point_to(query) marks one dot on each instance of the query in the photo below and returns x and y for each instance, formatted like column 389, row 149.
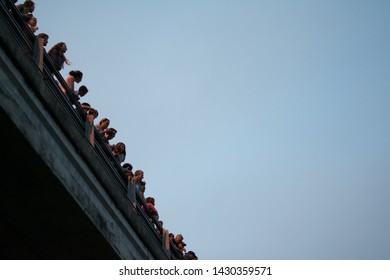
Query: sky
column 263, row 127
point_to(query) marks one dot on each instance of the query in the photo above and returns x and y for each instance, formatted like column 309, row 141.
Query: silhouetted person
column 45, row 38
column 108, row 135
column 119, row 151
column 26, row 9
column 32, row 23
column 190, row 255
column 75, row 76
column 102, row 125
column 57, row 55
column 137, row 179
column 152, row 211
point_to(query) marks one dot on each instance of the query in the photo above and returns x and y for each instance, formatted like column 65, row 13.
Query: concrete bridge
column 62, row 193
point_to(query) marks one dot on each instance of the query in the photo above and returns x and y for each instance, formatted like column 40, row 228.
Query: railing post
column 89, row 127
column 131, row 195
column 38, row 52
column 165, row 241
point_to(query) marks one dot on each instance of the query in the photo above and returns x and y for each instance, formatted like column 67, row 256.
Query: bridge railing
column 28, row 43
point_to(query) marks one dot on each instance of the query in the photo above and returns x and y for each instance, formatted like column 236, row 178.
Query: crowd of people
column 107, row 133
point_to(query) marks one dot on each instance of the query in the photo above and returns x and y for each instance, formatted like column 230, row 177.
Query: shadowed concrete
column 38, row 217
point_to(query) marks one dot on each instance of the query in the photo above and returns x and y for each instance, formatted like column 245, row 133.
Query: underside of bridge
column 38, row 217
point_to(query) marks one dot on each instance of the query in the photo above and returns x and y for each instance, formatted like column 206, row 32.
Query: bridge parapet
column 55, row 163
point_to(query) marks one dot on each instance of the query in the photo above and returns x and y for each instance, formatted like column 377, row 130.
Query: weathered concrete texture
column 58, row 200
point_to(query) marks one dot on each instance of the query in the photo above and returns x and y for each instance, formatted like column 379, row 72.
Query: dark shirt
column 57, row 59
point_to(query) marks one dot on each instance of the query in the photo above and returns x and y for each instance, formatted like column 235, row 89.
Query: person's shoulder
column 152, row 207
column 53, row 52
column 69, row 78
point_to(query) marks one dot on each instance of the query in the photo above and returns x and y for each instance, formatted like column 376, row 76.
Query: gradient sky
column 263, row 127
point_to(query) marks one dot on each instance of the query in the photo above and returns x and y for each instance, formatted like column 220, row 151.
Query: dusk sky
column 262, row 126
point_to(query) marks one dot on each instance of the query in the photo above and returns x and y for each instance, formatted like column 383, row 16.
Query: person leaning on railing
column 190, row 255
column 75, row 76
column 119, row 151
column 89, row 110
column 26, row 9
column 33, row 24
column 151, row 211
column 137, row 179
column 57, row 55
column 102, row 125
column 128, row 170
column 108, row 134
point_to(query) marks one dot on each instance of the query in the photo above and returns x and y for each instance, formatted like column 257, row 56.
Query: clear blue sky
column 263, row 127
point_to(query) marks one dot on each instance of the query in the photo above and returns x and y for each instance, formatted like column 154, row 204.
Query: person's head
column 33, row 21
column 104, row 123
column 150, row 200
column 127, row 166
column 129, row 174
column 83, row 90
column 63, row 47
column 179, row 238
column 29, row 6
column 92, row 111
column 120, row 146
column 191, row 255
column 78, row 75
column 171, row 236
column 60, row 47
column 181, row 245
column 45, row 38
column 85, row 105
column 110, row 133
column 139, row 175
column 58, row 51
